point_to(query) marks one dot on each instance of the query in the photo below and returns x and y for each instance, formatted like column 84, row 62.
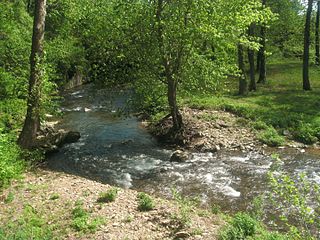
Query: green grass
column 145, row 202
column 82, row 222
column 243, row 226
column 280, row 103
column 109, row 196
column 28, row 226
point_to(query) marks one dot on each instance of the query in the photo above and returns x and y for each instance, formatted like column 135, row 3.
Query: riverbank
column 212, row 130
column 42, row 206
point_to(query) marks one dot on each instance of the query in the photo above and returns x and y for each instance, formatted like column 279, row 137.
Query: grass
column 28, row 226
column 243, row 226
column 145, row 202
column 109, row 196
column 280, row 103
column 82, row 222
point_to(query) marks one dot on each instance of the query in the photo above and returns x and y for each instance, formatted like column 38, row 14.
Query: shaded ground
column 53, row 197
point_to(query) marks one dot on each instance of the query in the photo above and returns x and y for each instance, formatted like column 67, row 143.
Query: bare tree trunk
column 262, row 51
column 317, row 44
column 243, row 85
column 252, row 85
column 306, row 81
column 32, row 122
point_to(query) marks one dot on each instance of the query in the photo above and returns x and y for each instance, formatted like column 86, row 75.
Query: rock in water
column 179, row 156
column 71, row 137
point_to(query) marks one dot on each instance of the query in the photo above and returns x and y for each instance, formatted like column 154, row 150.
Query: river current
column 117, row 150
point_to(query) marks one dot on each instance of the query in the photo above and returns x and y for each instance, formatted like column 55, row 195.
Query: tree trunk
column 32, row 122
column 262, row 51
column 243, row 85
column 252, row 85
column 169, row 72
column 174, row 110
column 258, row 60
column 317, row 44
column 306, row 81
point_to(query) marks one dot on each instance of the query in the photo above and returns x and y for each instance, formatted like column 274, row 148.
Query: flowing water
column 118, row 150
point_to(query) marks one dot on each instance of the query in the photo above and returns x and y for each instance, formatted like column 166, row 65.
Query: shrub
column 109, row 196
column 271, row 137
column 145, row 202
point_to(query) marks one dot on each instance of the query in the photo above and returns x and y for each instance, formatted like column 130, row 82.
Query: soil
column 53, row 195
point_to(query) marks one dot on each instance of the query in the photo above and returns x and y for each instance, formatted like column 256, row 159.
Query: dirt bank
column 53, row 196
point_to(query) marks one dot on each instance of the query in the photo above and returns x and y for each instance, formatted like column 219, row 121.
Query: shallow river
column 117, row 150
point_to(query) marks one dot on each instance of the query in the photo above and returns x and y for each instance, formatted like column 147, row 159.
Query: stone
column 179, row 156
column 71, row 137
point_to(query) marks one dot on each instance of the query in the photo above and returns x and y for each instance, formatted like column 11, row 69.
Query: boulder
column 179, row 156
column 70, row 137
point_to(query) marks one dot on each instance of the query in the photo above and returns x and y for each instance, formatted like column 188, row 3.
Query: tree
column 317, row 43
column 306, row 81
column 252, row 85
column 262, row 52
column 32, row 121
column 243, row 85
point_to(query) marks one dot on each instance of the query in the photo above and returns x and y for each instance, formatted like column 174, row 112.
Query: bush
column 109, row 196
column 145, row 202
column 271, row 137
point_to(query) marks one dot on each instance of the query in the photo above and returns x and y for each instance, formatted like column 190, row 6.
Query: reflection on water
column 119, row 151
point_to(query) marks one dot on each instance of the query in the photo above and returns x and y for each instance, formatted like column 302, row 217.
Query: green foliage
column 9, row 198
column 215, row 209
column 145, row 202
column 11, row 165
column 243, row 226
column 307, row 133
column 298, row 204
column 240, row 227
column 271, row 137
column 109, row 196
column 29, row 226
column 82, row 222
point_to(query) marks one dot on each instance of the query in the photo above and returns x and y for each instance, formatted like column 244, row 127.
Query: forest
column 160, row 119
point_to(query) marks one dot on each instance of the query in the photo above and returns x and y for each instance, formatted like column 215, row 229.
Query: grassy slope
column 280, row 103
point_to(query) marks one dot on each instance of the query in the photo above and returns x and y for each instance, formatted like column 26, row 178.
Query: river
column 117, row 150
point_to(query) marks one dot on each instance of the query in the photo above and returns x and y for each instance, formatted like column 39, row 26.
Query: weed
column 215, row 209
column 54, row 196
column 81, row 221
column 145, row 202
column 109, row 196
column 128, row 219
column 9, row 198
column 186, row 206
column 240, row 227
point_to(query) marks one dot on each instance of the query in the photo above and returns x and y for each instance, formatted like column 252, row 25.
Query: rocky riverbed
column 209, row 131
